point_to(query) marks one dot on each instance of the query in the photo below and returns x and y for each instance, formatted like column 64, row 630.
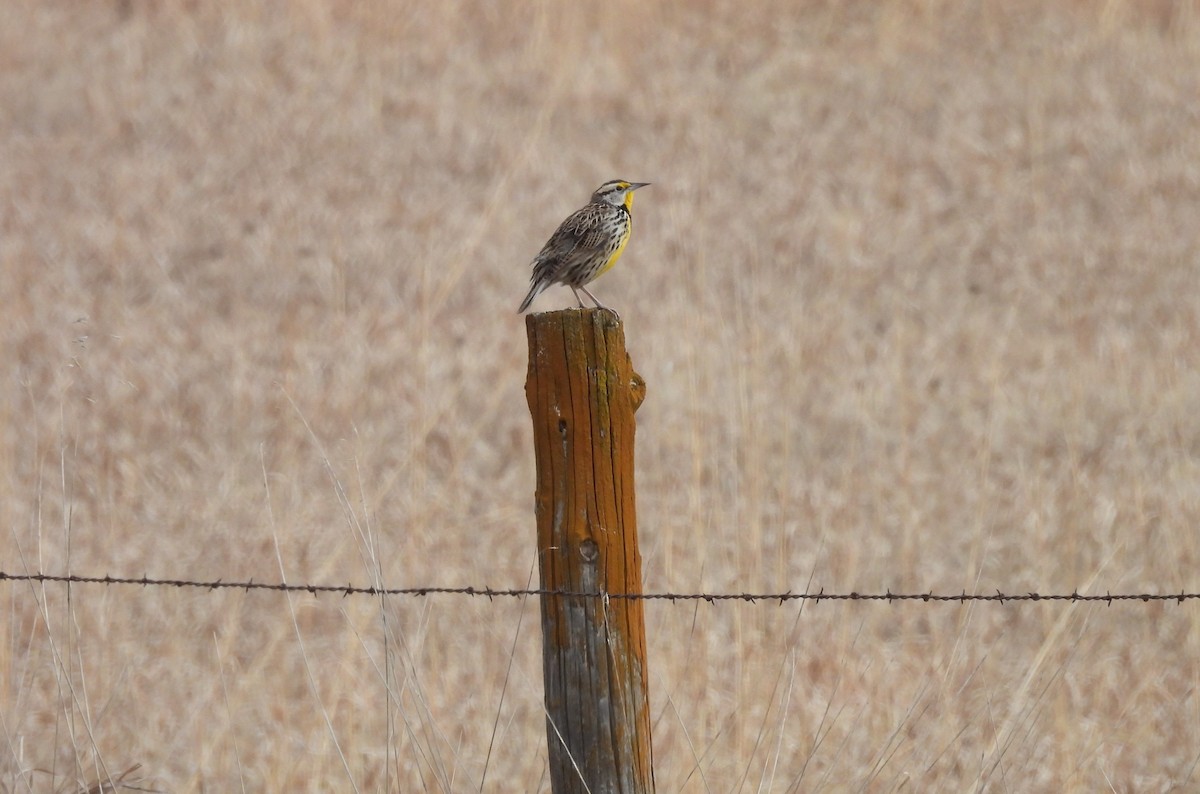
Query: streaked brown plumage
column 587, row 243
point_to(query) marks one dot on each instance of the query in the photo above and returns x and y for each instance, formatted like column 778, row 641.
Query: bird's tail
column 534, row 289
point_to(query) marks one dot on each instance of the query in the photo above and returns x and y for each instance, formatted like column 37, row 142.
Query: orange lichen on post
column 582, row 394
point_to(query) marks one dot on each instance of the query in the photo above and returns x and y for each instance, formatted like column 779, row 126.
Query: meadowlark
column 587, row 243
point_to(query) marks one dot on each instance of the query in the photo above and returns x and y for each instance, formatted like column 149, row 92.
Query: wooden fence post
column 582, row 394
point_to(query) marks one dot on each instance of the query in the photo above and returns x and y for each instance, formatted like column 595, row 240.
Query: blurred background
column 915, row 292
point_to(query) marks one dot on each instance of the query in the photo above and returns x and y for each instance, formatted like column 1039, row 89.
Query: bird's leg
column 577, row 296
column 599, row 305
column 588, row 292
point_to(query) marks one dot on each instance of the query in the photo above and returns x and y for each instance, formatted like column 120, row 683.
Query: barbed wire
column 493, row 593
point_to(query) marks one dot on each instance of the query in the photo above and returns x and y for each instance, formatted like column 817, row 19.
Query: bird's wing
column 583, row 230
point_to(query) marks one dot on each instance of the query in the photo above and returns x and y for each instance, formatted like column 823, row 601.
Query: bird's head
column 617, row 192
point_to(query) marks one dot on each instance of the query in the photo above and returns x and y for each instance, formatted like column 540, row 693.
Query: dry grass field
column 915, row 291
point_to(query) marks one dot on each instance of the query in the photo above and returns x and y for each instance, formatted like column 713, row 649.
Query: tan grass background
column 916, row 292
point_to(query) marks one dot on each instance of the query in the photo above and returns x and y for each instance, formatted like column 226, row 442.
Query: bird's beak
column 636, row 185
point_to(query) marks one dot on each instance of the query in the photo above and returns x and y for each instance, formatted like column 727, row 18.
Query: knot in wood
column 589, row 551
column 637, row 390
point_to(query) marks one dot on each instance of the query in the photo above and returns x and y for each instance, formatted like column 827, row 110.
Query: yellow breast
column 616, row 254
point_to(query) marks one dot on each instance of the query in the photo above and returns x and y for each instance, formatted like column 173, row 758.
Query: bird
column 587, row 243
